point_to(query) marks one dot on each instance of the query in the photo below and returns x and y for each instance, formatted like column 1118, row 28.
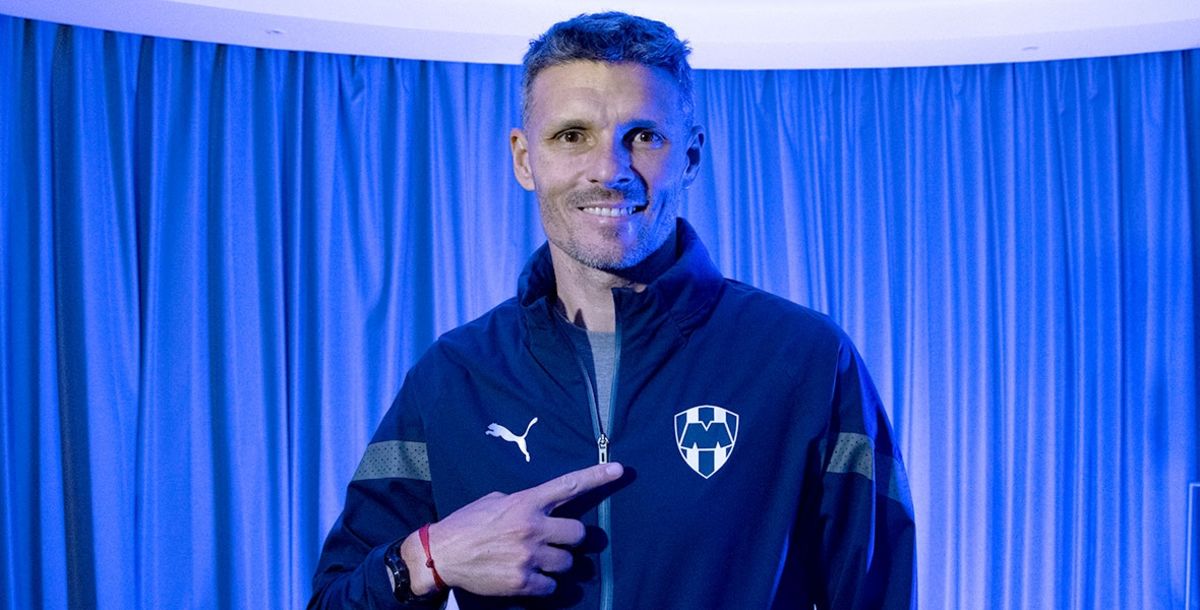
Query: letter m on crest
column 705, row 436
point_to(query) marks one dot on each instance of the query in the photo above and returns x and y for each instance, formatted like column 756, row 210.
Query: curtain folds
column 218, row 262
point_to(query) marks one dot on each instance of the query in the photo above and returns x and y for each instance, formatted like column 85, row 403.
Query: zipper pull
column 602, row 444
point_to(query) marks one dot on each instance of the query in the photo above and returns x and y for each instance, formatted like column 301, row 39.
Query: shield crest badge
column 705, row 436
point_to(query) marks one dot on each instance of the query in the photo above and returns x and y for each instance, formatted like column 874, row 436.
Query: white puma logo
column 506, row 434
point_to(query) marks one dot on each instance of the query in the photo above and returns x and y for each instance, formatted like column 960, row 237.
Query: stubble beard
column 609, row 254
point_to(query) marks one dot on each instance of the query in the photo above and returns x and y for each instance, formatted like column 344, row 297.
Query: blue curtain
column 218, row 262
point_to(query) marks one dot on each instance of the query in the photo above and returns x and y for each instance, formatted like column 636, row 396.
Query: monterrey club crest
column 705, row 436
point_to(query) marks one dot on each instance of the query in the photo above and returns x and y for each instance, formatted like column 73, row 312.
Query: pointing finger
column 556, row 492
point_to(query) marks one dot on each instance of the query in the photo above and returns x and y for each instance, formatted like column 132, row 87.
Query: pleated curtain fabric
column 218, row 262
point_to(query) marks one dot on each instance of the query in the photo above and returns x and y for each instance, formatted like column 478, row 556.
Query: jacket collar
column 680, row 299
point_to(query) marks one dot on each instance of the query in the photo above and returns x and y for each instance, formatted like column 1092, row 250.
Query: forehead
column 580, row 90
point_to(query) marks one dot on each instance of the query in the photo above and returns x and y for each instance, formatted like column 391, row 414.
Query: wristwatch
column 402, row 583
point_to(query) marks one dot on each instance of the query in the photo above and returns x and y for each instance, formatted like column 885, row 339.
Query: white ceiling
column 724, row 34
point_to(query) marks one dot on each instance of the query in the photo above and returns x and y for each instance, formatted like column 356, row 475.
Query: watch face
column 401, row 583
column 401, row 587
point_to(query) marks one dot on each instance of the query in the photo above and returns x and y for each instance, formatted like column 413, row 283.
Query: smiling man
column 608, row 152
column 698, row 443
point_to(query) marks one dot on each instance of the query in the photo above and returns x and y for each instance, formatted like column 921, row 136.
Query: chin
column 612, row 257
column 610, row 262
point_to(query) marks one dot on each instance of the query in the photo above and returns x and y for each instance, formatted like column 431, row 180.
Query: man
column 632, row 430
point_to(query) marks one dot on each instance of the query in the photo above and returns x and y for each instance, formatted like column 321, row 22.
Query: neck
column 585, row 293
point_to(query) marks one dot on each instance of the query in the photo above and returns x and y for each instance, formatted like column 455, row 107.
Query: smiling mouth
column 613, row 212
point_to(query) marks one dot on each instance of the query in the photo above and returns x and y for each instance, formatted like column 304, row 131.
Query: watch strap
column 402, row 581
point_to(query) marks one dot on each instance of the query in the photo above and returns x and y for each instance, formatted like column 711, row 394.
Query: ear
column 695, row 151
column 520, row 158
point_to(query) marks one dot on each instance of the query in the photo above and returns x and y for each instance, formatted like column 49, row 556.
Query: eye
column 569, row 136
column 647, row 138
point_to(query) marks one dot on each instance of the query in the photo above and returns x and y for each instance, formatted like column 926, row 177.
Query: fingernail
column 613, row 469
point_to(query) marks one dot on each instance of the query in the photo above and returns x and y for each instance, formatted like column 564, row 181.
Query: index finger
column 556, row 492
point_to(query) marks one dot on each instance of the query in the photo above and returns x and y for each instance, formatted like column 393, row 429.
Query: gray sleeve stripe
column 394, row 460
column 855, row 454
column 897, row 482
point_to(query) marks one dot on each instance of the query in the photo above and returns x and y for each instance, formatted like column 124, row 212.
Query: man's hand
column 501, row 545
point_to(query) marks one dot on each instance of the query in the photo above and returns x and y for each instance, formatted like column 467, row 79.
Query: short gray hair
column 611, row 37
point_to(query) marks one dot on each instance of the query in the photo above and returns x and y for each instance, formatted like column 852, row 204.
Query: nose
column 611, row 165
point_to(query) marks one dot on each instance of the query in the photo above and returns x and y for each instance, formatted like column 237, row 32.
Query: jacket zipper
column 604, row 511
column 599, row 428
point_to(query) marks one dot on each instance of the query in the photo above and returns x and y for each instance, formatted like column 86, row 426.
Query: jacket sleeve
column 865, row 514
column 389, row 497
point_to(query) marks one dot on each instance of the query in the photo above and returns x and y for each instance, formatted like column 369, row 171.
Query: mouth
column 613, row 212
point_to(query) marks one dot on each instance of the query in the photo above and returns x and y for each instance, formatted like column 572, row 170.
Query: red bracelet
column 437, row 580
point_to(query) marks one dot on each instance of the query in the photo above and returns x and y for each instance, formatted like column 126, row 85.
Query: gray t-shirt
column 604, row 358
column 599, row 352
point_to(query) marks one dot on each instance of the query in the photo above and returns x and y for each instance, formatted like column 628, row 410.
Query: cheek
column 551, row 184
column 662, row 170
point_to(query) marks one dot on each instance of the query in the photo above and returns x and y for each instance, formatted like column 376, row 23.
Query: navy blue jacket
column 761, row 469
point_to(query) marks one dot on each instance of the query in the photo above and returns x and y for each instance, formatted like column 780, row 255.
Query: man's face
column 608, row 151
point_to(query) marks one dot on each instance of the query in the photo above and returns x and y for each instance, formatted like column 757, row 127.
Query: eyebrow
column 565, row 124
column 644, row 124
